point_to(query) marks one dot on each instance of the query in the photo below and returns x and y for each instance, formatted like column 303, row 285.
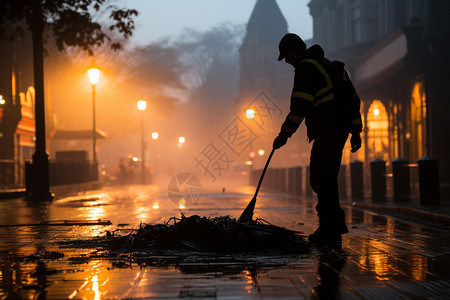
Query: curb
column 409, row 211
column 11, row 194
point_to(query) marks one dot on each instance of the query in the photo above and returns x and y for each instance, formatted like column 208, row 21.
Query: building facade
column 397, row 55
column 17, row 128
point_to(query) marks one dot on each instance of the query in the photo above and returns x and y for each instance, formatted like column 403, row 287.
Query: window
column 355, row 21
column 378, row 131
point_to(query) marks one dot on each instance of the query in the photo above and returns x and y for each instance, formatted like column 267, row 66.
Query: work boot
column 325, row 236
column 335, row 218
column 343, row 227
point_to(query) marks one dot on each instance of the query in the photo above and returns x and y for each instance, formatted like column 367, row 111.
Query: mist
column 190, row 85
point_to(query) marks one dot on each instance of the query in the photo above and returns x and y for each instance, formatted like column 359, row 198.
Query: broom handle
column 264, row 172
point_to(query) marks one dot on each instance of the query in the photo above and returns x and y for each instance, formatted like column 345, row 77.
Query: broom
column 247, row 214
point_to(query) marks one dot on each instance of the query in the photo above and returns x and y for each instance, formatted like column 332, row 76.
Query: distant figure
column 122, row 171
column 223, row 190
column 324, row 96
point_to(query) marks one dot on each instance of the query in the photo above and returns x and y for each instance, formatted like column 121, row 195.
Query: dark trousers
column 325, row 162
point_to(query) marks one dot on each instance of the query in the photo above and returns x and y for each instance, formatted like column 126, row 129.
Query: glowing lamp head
column 181, row 140
column 94, row 75
column 142, row 104
column 155, row 135
column 250, row 113
column 2, row 100
column 376, row 111
column 261, row 152
column 252, row 154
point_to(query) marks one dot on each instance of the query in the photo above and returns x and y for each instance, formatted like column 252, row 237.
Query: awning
column 385, row 58
column 76, row 134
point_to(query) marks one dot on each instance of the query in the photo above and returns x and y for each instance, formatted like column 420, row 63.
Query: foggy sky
column 167, row 18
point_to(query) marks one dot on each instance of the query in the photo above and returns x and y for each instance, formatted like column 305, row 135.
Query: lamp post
column 250, row 114
column 94, row 77
column 142, row 105
column 155, row 136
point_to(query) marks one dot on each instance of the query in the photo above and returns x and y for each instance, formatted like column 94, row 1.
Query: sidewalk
column 12, row 193
column 384, row 256
column 58, row 190
column 433, row 213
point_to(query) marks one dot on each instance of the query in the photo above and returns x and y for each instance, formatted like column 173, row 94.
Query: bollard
column 401, row 180
column 429, row 181
column 285, row 180
column 342, row 182
column 28, row 178
column 356, row 177
column 276, row 180
column 291, row 180
column 298, row 180
column 271, row 179
column 308, row 189
column 378, row 179
column 282, row 180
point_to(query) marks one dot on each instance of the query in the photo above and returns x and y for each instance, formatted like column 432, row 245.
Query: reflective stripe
column 302, row 95
column 294, row 118
column 287, row 129
column 325, row 74
column 324, row 99
column 356, row 121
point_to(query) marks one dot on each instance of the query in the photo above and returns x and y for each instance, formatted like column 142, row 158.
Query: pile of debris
column 220, row 234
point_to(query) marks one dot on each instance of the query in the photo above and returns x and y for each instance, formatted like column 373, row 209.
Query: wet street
column 383, row 257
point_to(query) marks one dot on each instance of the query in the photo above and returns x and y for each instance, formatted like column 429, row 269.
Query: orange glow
column 94, row 75
column 418, row 121
column 420, row 267
column 250, row 113
column 142, row 105
column 182, row 204
column 261, row 152
column 378, row 131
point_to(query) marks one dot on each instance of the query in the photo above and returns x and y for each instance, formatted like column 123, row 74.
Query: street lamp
column 181, row 141
column 94, row 77
column 250, row 113
column 155, row 136
column 142, row 105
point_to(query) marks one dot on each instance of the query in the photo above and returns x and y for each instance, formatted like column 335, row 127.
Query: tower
column 259, row 68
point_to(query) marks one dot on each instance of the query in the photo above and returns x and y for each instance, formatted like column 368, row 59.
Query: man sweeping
column 324, row 96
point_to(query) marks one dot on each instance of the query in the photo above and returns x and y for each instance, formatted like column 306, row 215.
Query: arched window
column 418, row 123
column 377, row 131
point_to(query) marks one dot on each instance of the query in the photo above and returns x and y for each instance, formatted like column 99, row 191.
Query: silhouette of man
column 324, row 96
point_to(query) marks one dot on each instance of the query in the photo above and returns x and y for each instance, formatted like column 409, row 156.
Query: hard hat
column 290, row 41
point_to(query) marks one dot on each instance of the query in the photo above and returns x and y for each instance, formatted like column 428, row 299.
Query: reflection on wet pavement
column 382, row 256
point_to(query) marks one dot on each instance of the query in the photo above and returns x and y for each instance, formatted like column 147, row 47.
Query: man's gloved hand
column 280, row 140
column 355, row 142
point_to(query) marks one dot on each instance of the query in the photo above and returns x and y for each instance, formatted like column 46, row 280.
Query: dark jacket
column 323, row 95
